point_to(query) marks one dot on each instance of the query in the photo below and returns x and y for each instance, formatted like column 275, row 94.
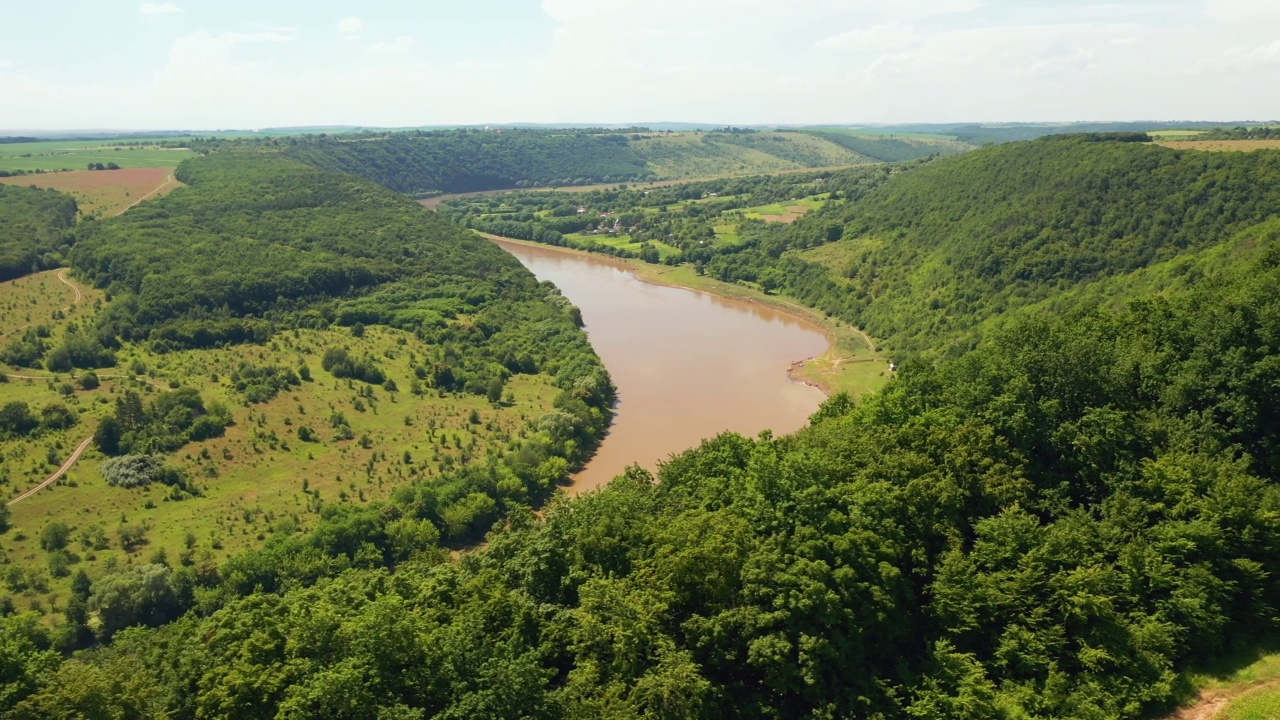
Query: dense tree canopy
column 36, row 225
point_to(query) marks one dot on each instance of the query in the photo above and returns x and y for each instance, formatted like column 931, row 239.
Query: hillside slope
column 937, row 250
column 424, row 163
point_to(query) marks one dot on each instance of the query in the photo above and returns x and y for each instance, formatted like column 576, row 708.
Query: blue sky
column 201, row 64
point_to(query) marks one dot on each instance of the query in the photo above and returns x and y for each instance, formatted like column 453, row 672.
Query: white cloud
column 890, row 36
column 397, row 45
column 1246, row 58
column 350, row 25
column 5, row 62
column 158, row 9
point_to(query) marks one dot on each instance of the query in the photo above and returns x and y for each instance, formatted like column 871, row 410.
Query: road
column 84, row 445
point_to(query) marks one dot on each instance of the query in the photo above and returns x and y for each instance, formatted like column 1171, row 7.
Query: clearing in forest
column 104, row 193
column 1223, row 145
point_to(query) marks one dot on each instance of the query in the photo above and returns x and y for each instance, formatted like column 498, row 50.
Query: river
column 687, row 365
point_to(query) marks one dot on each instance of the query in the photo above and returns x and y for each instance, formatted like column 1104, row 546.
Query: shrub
column 130, row 471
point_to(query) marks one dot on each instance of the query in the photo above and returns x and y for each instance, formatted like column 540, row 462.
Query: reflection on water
column 687, row 365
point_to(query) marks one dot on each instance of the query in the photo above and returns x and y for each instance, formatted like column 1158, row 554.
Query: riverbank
column 851, row 363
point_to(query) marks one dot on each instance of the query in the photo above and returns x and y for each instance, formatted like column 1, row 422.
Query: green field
column 78, row 154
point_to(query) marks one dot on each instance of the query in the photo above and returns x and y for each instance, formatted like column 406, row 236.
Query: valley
column 1042, row 483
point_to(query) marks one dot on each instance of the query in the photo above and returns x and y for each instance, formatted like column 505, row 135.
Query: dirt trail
column 1212, row 702
column 167, row 181
column 62, row 276
column 84, row 445
column 152, row 383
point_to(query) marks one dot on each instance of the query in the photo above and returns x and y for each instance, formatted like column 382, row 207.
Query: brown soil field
column 795, row 212
column 1223, row 145
column 104, row 193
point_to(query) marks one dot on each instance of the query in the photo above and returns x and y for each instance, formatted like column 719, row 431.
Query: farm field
column 1222, row 145
column 266, row 474
column 59, row 155
column 104, row 193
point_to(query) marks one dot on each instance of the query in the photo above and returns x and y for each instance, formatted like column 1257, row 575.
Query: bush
column 16, row 420
column 89, row 381
column 54, row 536
column 129, row 471
column 57, row 417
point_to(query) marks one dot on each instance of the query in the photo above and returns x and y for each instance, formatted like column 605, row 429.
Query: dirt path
column 167, row 181
column 1212, row 702
column 84, row 445
column 62, row 275
column 152, row 383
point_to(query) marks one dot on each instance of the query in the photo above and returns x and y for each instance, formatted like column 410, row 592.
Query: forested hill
column 423, row 163
column 936, row 251
column 463, row 161
column 35, row 224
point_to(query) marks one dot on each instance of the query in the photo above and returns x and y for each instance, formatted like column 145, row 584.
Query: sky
column 237, row 64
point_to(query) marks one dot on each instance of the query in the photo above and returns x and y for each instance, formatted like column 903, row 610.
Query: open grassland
column 39, row 298
column 78, row 154
column 104, row 193
column 273, row 468
column 1222, row 145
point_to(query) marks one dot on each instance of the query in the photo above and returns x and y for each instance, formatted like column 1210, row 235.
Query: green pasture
column 78, row 154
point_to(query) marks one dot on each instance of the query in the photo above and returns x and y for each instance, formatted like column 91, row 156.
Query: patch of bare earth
column 1212, row 702
column 1222, row 145
column 793, row 213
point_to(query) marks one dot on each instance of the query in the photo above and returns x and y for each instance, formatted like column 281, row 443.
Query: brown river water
column 687, row 365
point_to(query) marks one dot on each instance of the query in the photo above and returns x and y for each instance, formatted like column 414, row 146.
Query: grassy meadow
column 264, row 474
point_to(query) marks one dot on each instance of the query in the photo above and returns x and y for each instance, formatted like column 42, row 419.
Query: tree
column 107, row 436
column 54, row 536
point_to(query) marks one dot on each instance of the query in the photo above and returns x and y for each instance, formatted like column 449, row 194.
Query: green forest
column 1064, row 501
column 36, row 224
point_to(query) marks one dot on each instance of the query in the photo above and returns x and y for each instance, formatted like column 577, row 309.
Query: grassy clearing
column 34, row 300
column 77, row 154
column 104, row 193
column 1223, row 145
column 260, row 475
